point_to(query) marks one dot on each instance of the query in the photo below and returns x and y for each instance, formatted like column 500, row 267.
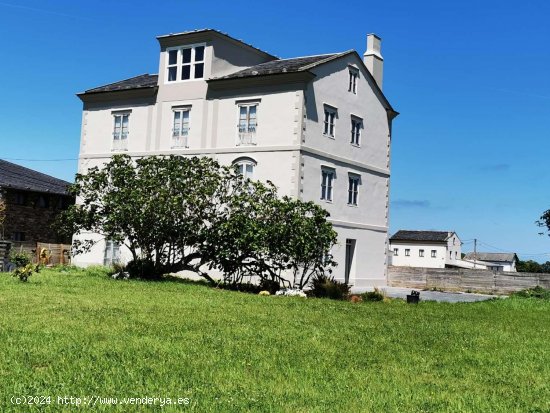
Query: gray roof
column 433, row 236
column 18, row 177
column 136, row 82
column 297, row 64
column 491, row 256
column 218, row 32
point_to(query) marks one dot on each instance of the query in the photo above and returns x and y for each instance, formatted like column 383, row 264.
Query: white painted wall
column 448, row 253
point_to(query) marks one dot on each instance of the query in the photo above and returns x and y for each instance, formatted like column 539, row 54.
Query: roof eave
column 259, row 80
column 135, row 92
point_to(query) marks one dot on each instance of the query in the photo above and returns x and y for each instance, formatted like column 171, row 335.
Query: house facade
column 32, row 202
column 425, row 249
column 318, row 127
column 495, row 261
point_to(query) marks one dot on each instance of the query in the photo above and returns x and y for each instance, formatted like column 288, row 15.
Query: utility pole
column 475, row 252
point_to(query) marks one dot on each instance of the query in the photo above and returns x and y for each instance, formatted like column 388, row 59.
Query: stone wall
column 33, row 214
column 451, row 279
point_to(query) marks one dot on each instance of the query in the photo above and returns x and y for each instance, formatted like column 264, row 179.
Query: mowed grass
column 81, row 335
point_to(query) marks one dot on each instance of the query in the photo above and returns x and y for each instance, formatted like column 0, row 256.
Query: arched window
column 245, row 167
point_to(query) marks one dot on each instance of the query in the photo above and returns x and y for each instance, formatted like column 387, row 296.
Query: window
column 330, row 115
column 18, row 236
column 185, row 63
column 353, row 189
column 396, row 252
column 434, row 253
column 353, row 75
column 356, row 125
column 112, row 253
column 450, row 255
column 327, row 176
column 245, row 167
column 20, row 198
column 455, row 255
column 248, row 123
column 120, row 131
column 43, row 201
column 420, row 253
column 180, row 129
column 407, row 252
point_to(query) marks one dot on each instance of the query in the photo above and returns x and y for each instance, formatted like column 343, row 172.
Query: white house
column 493, row 261
column 318, row 127
column 426, row 249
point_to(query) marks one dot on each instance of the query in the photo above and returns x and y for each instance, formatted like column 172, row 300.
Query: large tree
column 177, row 213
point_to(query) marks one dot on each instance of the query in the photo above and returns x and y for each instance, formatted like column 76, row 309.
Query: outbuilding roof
column 18, row 177
column 431, row 236
column 491, row 256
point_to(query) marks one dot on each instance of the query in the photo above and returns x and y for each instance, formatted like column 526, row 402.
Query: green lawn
column 82, row 335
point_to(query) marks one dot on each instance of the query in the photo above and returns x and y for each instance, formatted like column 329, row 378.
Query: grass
column 78, row 334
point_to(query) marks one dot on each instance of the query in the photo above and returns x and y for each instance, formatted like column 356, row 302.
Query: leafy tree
column 544, row 222
column 528, row 266
column 176, row 213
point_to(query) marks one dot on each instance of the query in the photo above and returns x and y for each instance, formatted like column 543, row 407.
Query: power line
column 519, row 253
column 40, row 160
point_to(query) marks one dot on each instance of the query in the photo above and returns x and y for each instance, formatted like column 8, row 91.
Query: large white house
column 496, row 261
column 425, row 249
column 318, row 127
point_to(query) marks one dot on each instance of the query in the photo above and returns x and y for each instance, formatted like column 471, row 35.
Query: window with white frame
column 353, row 75
column 327, row 178
column 248, row 123
column 245, row 167
column 180, row 128
column 420, row 253
column 407, row 252
column 396, row 252
column 120, row 131
column 330, row 116
column 356, row 126
column 185, row 63
column 353, row 189
column 111, row 254
column 434, row 253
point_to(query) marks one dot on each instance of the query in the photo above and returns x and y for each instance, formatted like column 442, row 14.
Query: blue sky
column 470, row 79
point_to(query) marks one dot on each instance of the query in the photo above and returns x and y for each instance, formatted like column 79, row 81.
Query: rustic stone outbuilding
column 32, row 202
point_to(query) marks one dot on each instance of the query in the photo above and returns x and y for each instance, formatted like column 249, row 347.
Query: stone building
column 32, row 202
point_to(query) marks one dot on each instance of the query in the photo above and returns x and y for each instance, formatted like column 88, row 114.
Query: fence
column 53, row 254
column 451, row 279
column 4, row 253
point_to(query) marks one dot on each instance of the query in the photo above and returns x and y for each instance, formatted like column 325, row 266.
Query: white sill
column 355, row 145
column 329, row 136
column 171, row 82
column 328, row 201
column 353, row 206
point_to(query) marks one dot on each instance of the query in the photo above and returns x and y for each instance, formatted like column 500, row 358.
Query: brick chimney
column 373, row 58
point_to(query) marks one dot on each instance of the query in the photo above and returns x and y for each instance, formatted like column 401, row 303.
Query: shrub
column 375, row 295
column 143, row 268
column 24, row 272
column 325, row 286
column 536, row 292
column 270, row 285
column 264, row 293
column 242, row 287
column 20, row 259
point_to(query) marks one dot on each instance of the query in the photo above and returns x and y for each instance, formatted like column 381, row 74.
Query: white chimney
column 373, row 58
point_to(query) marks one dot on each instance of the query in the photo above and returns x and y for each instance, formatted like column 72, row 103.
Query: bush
column 537, row 292
column 375, row 295
column 242, row 287
column 24, row 272
column 20, row 259
column 325, row 286
column 142, row 268
column 270, row 285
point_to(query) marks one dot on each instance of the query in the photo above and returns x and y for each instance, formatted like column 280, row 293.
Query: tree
column 176, row 213
column 528, row 266
column 544, row 222
column 2, row 215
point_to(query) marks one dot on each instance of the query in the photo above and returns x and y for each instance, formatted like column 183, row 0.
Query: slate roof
column 217, row 32
column 491, row 256
column 137, row 82
column 18, row 177
column 297, row 64
column 431, row 236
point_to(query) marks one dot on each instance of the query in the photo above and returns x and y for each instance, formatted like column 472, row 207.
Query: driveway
column 447, row 297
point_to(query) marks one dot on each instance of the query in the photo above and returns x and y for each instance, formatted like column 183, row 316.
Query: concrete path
column 447, row 297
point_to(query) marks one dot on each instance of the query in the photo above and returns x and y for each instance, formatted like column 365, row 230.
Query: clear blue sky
column 471, row 80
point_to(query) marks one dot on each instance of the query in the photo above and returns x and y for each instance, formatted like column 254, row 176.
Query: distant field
column 84, row 335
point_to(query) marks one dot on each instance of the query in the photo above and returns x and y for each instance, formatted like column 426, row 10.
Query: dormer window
column 185, row 63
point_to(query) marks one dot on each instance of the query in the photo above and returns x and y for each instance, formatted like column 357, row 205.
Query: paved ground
column 448, row 297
